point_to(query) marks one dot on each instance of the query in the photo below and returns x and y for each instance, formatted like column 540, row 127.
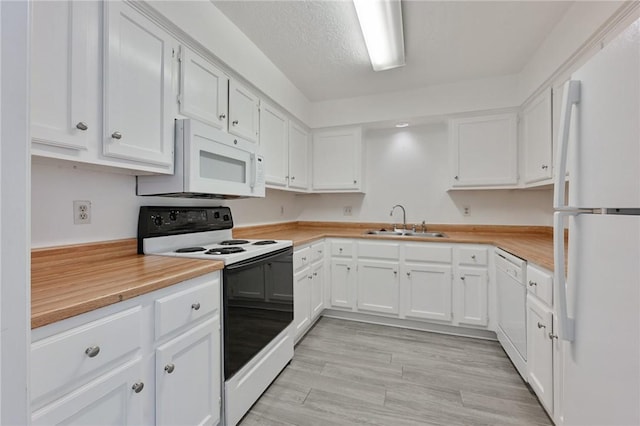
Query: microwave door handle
column 571, row 97
column 253, row 171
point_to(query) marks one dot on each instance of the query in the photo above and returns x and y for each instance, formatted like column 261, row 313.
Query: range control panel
column 163, row 221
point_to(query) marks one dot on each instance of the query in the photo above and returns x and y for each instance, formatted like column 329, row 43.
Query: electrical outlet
column 466, row 211
column 346, row 211
column 81, row 212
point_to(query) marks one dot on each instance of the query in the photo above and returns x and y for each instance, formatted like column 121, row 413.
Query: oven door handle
column 257, row 260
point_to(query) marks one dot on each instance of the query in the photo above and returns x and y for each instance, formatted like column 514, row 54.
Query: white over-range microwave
column 209, row 163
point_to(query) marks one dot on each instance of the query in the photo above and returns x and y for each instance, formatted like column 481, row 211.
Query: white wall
column 441, row 100
column 114, row 205
column 410, row 167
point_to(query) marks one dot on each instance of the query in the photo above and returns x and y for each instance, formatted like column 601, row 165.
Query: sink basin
column 407, row 233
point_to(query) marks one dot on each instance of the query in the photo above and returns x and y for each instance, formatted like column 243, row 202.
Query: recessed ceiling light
column 381, row 24
column 402, row 124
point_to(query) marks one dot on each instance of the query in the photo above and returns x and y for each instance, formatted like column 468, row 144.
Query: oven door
column 258, row 305
column 220, row 163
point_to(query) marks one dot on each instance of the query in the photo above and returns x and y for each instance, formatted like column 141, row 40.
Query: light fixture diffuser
column 381, row 24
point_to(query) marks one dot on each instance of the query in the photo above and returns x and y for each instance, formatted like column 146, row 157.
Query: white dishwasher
column 512, row 308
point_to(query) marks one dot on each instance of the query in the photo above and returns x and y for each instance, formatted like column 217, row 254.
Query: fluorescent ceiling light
column 400, row 125
column 381, row 23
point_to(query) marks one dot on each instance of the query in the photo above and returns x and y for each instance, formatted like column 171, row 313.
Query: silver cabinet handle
column 355, row 181
column 473, row 257
column 340, row 249
column 395, row 272
column 137, row 387
column 310, row 277
column 456, row 177
column 169, row 368
column 235, row 141
column 315, row 274
column 545, row 167
column 92, row 351
column 532, row 283
column 408, row 274
column 540, row 325
column 293, row 178
column 195, row 306
column 348, row 268
column 553, row 336
column 462, row 278
column 234, row 122
column 116, row 135
column 82, row 126
column 222, row 116
column 304, row 259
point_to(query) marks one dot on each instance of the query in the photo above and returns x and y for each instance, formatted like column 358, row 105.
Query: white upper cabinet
column 484, row 151
column 243, row 112
column 139, row 100
column 337, row 160
column 63, row 111
column 298, row 157
column 203, row 90
column 274, row 144
column 537, row 139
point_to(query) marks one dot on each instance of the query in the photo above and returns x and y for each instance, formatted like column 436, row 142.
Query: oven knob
column 173, row 215
column 158, row 220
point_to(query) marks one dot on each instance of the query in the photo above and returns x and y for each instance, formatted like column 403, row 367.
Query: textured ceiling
column 319, row 46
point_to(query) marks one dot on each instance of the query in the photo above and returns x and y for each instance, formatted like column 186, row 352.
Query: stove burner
column 190, row 249
column 225, row 250
column 233, row 242
column 263, row 242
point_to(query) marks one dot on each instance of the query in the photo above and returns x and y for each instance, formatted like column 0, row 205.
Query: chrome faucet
column 404, row 215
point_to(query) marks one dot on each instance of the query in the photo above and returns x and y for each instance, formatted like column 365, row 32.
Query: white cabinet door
column 61, row 112
column 298, row 157
column 378, row 286
column 426, row 291
column 243, row 112
column 274, row 127
column 317, row 289
column 471, row 296
column 188, row 377
column 540, row 350
column 343, row 277
column 484, row 150
column 203, row 90
column 537, row 133
column 139, row 101
column 302, row 301
column 115, row 399
column 337, row 159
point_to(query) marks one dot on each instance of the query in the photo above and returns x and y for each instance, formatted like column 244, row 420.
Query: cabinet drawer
column 81, row 352
column 540, row 283
column 473, row 256
column 301, row 258
column 342, row 248
column 378, row 250
column 427, row 253
column 181, row 308
column 317, row 252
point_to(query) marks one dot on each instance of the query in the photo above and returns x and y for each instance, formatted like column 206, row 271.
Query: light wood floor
column 346, row 372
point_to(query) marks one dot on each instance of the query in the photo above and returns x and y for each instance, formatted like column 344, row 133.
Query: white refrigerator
column 598, row 298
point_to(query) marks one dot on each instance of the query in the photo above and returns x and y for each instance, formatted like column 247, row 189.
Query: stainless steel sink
column 407, row 233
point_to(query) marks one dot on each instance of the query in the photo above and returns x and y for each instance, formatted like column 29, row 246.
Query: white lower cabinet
column 188, row 377
column 378, row 286
column 343, row 283
column 540, row 350
column 426, row 291
column 116, row 398
column 99, row 368
column 317, row 289
column 471, row 299
column 308, row 287
column 302, row 301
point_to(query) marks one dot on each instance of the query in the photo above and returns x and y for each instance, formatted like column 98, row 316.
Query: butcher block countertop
column 71, row 280
column 532, row 243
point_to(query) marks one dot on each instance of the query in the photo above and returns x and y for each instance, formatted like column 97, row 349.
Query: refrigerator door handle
column 566, row 324
column 571, row 97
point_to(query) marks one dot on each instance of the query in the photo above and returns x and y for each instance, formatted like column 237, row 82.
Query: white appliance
column 599, row 298
column 512, row 308
column 209, row 163
column 257, row 294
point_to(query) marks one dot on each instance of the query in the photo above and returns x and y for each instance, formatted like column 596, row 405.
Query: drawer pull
column 473, row 256
column 532, row 283
column 462, row 278
column 553, row 336
column 315, row 274
column 116, row 135
column 222, row 116
column 92, row 351
column 540, row 325
column 195, row 306
column 304, row 259
column 340, row 249
column 169, row 368
column 137, row 387
column 82, row 126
